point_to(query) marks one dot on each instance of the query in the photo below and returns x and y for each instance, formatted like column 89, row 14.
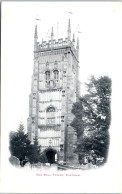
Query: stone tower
column 55, row 87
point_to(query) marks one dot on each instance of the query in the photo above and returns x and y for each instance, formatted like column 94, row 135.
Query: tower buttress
column 69, row 31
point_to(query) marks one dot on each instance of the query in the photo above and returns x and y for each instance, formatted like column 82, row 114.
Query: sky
column 99, row 44
column 100, row 53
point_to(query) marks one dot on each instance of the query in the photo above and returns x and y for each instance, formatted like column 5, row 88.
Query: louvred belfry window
column 47, row 74
column 56, row 74
column 50, row 115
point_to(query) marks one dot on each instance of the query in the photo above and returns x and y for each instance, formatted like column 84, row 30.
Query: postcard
column 61, row 101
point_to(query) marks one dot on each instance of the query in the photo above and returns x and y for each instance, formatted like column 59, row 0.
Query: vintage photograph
column 60, row 63
column 63, row 127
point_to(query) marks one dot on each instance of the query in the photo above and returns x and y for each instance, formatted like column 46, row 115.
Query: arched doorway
column 51, row 156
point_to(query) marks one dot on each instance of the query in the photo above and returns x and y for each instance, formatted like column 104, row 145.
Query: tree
column 34, row 153
column 43, row 158
column 92, row 120
column 99, row 96
column 19, row 143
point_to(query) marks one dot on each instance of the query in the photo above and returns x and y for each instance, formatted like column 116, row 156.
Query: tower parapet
column 57, row 44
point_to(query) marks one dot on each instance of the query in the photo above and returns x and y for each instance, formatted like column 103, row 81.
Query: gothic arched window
column 47, row 74
column 50, row 115
column 56, row 74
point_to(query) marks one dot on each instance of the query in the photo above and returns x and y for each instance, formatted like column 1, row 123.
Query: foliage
column 43, row 158
column 19, row 143
column 34, row 152
column 92, row 120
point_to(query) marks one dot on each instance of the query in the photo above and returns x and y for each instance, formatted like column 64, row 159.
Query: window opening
column 56, row 74
column 50, row 115
column 47, row 73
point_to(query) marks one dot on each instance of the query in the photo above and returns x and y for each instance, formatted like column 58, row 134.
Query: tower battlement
column 59, row 44
column 56, row 44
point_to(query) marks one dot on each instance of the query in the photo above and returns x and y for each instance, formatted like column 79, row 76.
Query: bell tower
column 55, row 87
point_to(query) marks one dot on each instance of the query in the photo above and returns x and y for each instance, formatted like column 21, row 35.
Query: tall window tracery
column 50, row 115
column 47, row 74
column 56, row 74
